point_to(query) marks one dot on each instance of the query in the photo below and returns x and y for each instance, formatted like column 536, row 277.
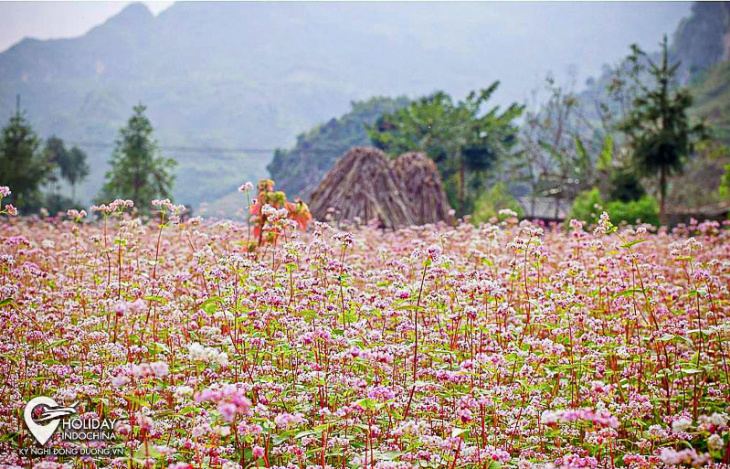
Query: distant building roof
column 720, row 209
column 545, row 208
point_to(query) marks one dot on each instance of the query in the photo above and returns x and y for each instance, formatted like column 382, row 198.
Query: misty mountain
column 252, row 76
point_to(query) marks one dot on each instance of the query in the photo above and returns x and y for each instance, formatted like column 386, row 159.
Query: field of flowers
column 506, row 345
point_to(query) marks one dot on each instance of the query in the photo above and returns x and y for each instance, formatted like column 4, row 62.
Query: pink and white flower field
column 431, row 347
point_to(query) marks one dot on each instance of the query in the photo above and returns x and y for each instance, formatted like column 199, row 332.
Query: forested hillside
column 299, row 170
column 226, row 83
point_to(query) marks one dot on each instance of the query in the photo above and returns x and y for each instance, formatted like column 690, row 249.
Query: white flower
column 715, row 442
column 196, row 352
column 508, row 213
column 681, row 425
column 183, row 391
column 718, row 419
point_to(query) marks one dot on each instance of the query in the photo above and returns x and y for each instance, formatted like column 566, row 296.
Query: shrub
column 645, row 210
column 491, row 202
column 589, row 205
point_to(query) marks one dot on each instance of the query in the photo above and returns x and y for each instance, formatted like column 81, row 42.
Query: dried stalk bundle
column 363, row 185
column 423, row 187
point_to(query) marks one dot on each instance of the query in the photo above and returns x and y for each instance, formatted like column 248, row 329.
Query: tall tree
column 23, row 167
column 138, row 171
column 461, row 137
column 74, row 167
column 659, row 131
column 55, row 153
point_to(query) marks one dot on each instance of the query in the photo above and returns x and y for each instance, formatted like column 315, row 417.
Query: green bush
column 645, row 209
column 589, row 205
column 491, row 202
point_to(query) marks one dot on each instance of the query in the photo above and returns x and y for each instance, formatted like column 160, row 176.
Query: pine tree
column 138, row 171
column 658, row 127
column 23, row 167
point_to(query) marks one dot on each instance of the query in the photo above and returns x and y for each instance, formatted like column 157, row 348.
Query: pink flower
column 247, row 187
column 257, row 452
column 227, row 411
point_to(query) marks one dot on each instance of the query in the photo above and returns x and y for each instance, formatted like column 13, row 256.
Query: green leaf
column 633, row 243
column 157, row 299
column 56, row 344
column 604, row 160
column 210, row 305
column 628, row 292
column 367, row 404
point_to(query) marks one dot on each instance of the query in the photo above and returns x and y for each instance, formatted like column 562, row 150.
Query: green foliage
column 725, row 183
column 138, row 172
column 71, row 164
column 74, row 167
column 589, row 205
column 625, row 186
column 23, row 167
column 462, row 138
column 658, row 127
column 489, row 203
column 300, row 169
column 712, row 100
column 645, row 209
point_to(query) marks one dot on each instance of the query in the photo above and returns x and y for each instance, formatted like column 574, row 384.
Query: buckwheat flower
column 101, row 208
column 123, row 428
column 268, row 210
column 719, row 419
column 257, row 452
column 137, row 306
column 287, row 420
column 604, row 224
column 196, row 352
column 685, row 456
column 183, row 391
column 227, row 411
column 434, row 252
column 5, row 191
column 120, row 380
column 180, row 465
column 715, row 442
column 121, row 308
column 160, row 368
column 141, row 371
column 681, row 424
column 12, row 211
column 246, row 187
column 576, row 224
column 505, row 212
column 222, row 360
column 144, row 421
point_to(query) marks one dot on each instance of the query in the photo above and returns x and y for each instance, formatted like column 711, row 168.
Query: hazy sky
column 44, row 20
